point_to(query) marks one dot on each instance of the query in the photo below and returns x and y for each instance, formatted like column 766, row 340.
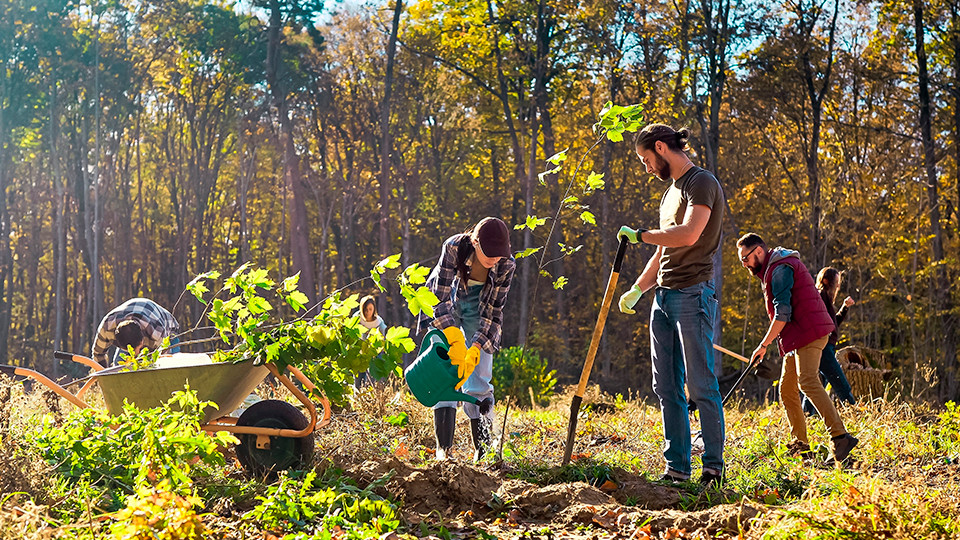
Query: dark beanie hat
column 494, row 237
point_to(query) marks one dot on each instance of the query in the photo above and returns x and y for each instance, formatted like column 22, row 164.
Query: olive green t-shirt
column 685, row 266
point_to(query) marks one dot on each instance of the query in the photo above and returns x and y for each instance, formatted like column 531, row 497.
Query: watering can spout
column 432, row 378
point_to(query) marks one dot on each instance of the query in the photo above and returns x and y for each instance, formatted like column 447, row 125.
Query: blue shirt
column 781, row 283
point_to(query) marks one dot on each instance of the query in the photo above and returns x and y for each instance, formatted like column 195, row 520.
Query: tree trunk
column 816, row 97
column 96, row 284
column 386, row 151
column 941, row 296
column 5, row 255
column 520, row 175
column 955, row 40
column 715, row 50
column 296, row 197
column 551, row 250
column 59, row 232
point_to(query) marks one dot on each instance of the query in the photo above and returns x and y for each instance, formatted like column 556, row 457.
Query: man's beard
column 755, row 270
column 661, row 167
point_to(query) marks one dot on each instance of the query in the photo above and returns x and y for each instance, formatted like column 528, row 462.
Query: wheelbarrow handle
column 80, row 359
column 44, row 380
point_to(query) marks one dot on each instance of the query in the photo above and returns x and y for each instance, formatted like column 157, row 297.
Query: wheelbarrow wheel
column 284, row 452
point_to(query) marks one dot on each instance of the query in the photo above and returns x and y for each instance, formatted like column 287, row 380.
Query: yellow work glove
column 457, row 343
column 465, row 368
column 630, row 299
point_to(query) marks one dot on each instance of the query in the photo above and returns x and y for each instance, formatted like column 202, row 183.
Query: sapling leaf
column 376, row 280
column 290, row 284
column 527, row 252
column 542, row 177
column 558, row 158
column 258, row 305
column 588, row 217
column 240, row 270
column 531, row 223
column 272, row 351
column 399, row 336
column 233, row 304
column 560, row 282
column 198, row 289
column 393, row 261
column 417, row 274
column 422, row 300
column 258, row 277
column 296, row 300
column 595, row 181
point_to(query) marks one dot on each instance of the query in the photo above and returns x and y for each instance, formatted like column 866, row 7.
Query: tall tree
column 941, row 286
column 280, row 84
column 386, row 147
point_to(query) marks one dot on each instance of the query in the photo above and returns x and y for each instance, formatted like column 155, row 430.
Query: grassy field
column 374, row 476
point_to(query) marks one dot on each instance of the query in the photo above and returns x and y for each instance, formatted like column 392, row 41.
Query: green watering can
column 432, row 378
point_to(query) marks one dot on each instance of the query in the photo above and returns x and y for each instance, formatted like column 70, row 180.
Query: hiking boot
column 799, row 449
column 711, row 478
column 842, row 446
column 672, row 477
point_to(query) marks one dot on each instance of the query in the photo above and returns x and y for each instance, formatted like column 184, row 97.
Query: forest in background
column 145, row 142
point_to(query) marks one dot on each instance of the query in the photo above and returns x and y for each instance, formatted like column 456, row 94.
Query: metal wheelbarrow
column 274, row 435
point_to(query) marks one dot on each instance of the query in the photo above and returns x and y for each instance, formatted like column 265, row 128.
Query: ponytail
column 675, row 140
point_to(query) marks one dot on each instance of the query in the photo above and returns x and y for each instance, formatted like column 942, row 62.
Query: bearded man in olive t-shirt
column 685, row 301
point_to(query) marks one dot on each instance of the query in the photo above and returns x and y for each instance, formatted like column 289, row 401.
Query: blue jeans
column 681, row 343
column 831, row 372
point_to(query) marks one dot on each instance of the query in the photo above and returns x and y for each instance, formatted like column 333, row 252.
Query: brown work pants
column 801, row 371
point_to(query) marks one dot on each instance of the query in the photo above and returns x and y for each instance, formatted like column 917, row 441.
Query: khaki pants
column 801, row 371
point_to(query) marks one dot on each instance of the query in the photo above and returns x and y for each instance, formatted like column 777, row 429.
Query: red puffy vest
column 810, row 320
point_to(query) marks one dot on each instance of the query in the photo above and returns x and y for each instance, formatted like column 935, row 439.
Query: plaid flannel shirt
column 445, row 283
column 156, row 322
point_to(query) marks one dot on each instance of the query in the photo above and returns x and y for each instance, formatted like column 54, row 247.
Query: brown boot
column 842, row 446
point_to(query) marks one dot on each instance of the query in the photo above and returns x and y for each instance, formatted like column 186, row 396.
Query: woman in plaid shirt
column 471, row 279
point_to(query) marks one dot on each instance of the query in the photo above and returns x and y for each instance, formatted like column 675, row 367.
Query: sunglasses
column 747, row 256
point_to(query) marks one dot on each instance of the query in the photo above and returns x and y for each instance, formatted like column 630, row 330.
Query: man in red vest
column 800, row 323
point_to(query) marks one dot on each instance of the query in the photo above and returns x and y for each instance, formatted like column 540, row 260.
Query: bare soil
column 465, row 498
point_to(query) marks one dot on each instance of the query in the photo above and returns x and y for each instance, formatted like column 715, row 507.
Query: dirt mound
column 449, row 487
column 547, row 501
column 455, row 488
column 724, row 518
column 635, row 490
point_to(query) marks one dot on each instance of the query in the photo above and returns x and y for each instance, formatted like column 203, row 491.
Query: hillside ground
column 904, row 481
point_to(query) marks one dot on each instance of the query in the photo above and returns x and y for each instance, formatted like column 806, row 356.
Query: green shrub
column 156, row 513
column 94, row 451
column 312, row 504
column 515, row 372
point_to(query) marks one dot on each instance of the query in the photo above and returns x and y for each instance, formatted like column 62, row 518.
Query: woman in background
column 369, row 318
column 828, row 283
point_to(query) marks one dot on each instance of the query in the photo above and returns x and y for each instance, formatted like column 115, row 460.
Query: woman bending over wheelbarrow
column 471, row 279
